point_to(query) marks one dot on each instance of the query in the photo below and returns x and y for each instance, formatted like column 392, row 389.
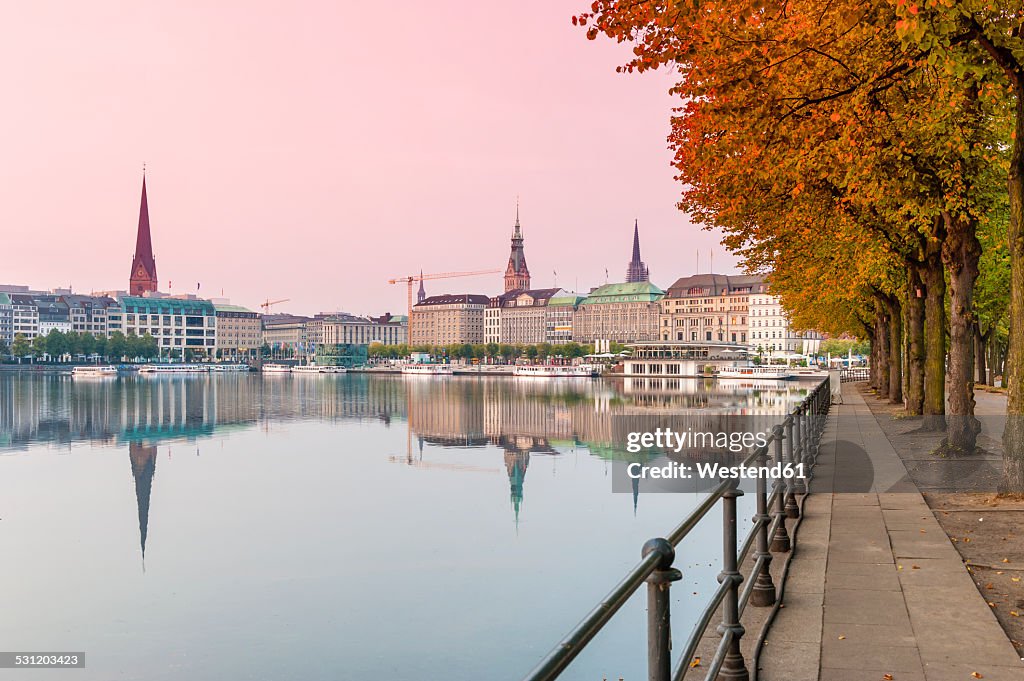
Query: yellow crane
column 266, row 305
column 413, row 278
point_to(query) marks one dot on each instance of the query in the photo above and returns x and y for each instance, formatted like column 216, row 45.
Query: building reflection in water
column 522, row 418
column 143, row 460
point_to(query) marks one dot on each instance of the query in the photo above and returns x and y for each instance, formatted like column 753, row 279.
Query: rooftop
column 641, row 291
column 714, row 284
column 454, row 299
column 149, row 305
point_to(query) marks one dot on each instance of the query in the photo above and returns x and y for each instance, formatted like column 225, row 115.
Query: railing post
column 763, row 592
column 797, row 485
column 733, row 668
column 780, row 540
column 796, row 443
column 659, row 633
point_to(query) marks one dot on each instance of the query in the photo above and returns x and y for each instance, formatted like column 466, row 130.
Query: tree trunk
column 960, row 253
column 1013, row 434
column 915, row 343
column 934, row 407
column 895, row 314
column 882, row 335
column 980, row 343
column 994, row 358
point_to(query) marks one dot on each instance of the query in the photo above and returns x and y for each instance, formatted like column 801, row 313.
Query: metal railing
column 857, row 374
column 768, row 534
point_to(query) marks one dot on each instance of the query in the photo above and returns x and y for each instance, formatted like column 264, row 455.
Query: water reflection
column 302, row 481
column 521, row 417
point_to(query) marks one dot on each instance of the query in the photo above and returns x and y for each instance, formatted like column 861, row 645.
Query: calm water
column 332, row 527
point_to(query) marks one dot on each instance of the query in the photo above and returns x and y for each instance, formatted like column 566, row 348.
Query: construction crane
column 410, row 280
column 269, row 303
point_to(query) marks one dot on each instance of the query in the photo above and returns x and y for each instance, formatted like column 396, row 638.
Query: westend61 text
column 677, row 440
column 715, row 471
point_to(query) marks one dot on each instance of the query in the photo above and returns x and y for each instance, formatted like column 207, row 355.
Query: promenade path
column 876, row 590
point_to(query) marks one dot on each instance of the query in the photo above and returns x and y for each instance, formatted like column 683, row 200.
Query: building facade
column 709, row 307
column 179, row 325
column 53, row 314
column 447, row 319
column 24, row 316
column 341, row 327
column 285, row 333
column 559, row 315
column 6, row 319
column 98, row 315
column 771, row 333
column 624, row 313
column 239, row 331
column 143, row 276
column 519, row 316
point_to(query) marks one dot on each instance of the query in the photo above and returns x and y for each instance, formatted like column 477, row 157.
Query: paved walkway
column 875, row 587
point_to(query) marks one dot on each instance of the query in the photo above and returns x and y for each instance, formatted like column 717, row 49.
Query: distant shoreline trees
column 70, row 346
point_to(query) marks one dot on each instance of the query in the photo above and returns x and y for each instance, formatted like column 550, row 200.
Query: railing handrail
column 658, row 555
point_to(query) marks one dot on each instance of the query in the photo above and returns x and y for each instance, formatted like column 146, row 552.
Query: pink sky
column 312, row 151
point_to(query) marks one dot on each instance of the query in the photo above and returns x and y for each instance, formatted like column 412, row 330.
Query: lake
column 336, row 527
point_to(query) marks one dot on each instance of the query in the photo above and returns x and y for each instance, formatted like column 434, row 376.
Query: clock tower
column 143, row 276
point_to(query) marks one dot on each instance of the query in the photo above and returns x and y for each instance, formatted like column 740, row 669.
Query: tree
column 531, row 352
column 21, row 347
column 117, row 346
column 39, row 346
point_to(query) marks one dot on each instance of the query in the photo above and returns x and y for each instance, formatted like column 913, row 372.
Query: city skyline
column 313, row 174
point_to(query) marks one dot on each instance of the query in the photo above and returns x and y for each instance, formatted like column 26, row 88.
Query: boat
column 317, row 369
column 172, row 369
column 229, row 367
column 777, row 372
column 426, row 369
column 276, row 369
column 95, row 371
column 554, row 371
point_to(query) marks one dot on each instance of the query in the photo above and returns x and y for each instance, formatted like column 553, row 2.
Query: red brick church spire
column 517, row 274
column 143, row 276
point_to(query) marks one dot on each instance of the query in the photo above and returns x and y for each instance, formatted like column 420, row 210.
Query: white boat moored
column 96, row 371
column 554, row 371
column 424, row 369
column 276, row 369
column 172, row 369
column 776, row 372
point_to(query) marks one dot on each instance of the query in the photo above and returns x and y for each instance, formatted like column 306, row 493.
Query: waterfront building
column 177, row 324
column 6, row 319
column 624, row 313
column 519, row 316
column 285, row 333
column 98, row 315
column 54, row 314
column 24, row 315
column 342, row 327
column 558, row 317
column 517, row 274
column 636, row 271
column 771, row 333
column 709, row 307
column 239, row 330
column 682, row 358
column 447, row 319
column 143, row 277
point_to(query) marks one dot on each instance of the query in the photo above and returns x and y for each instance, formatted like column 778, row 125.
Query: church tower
column 637, row 270
column 143, row 276
column 517, row 274
column 421, row 295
